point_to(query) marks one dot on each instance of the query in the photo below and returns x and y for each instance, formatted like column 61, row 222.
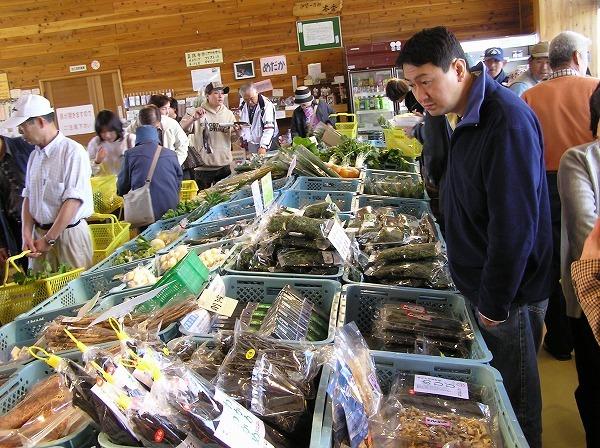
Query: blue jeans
column 515, row 344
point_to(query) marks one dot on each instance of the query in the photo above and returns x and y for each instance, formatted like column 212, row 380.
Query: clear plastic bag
column 326, row 209
column 408, row 252
column 288, row 317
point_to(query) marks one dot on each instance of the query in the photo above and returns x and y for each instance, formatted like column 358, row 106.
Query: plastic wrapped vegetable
column 322, row 210
column 407, row 252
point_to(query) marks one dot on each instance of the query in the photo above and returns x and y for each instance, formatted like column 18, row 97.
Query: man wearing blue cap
column 493, row 58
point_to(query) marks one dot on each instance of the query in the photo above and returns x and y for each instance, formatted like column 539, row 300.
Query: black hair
column 107, row 119
column 149, row 115
column 595, row 110
column 437, row 46
column 173, row 103
column 49, row 117
column 396, row 89
column 159, row 100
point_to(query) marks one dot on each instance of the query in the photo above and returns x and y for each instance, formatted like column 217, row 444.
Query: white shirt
column 263, row 127
column 174, row 136
column 114, row 154
column 58, row 172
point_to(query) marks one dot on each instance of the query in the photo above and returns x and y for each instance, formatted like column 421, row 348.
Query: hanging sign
column 4, row 87
column 76, row 120
column 204, row 57
column 273, row 65
column 201, row 77
column 77, row 68
column 319, row 34
column 317, row 7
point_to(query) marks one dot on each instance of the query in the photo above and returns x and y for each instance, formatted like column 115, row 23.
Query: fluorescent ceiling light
column 502, row 42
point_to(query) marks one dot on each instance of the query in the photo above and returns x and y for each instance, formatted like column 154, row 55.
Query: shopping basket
column 104, row 190
column 16, row 299
column 397, row 138
column 347, row 128
column 188, row 191
column 107, row 237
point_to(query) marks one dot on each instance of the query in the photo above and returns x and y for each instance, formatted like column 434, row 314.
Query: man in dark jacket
column 14, row 154
column 166, row 182
column 496, row 209
column 493, row 58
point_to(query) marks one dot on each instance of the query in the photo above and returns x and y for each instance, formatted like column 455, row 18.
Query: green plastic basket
column 188, row 276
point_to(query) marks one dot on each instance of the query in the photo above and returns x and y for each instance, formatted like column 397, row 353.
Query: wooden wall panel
column 147, row 39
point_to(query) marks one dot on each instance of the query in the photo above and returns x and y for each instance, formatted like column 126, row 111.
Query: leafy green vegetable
column 30, row 276
column 307, row 143
column 197, row 207
column 142, row 250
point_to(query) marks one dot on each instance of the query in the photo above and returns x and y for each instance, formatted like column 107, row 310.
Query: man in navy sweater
column 496, row 209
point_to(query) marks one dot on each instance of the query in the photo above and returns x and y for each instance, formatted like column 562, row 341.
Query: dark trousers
column 587, row 394
column 514, row 345
column 206, row 179
column 558, row 335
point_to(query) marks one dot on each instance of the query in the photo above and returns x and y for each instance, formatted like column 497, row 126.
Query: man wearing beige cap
column 57, row 194
column 539, row 69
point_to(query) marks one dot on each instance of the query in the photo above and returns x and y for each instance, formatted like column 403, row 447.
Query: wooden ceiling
column 147, row 39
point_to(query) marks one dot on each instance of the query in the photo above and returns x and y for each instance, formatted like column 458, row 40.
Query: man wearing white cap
column 539, row 69
column 57, row 194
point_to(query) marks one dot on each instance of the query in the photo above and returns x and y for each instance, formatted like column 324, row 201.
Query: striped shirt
column 59, row 171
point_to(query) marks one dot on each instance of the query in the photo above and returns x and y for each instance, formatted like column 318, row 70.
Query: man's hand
column 3, row 255
column 199, row 113
column 237, row 128
column 591, row 247
column 486, row 322
column 42, row 246
column 262, row 151
column 102, row 152
column 28, row 244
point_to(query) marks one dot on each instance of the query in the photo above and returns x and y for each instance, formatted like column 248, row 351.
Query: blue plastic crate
column 415, row 207
column 362, row 301
column 227, row 210
column 388, row 366
column 278, row 186
column 327, row 184
column 325, row 294
column 21, row 382
column 374, row 176
column 164, row 224
column 205, row 228
column 301, row 198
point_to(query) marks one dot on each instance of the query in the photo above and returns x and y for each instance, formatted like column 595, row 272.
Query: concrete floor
column 561, row 424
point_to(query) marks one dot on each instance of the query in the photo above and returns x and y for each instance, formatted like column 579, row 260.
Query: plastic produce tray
column 164, row 224
column 326, row 294
column 301, row 198
column 326, row 184
column 226, row 210
column 278, row 186
column 362, row 301
column 377, row 175
column 388, row 366
column 415, row 207
column 203, row 229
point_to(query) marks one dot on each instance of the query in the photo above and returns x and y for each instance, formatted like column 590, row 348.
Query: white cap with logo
column 27, row 107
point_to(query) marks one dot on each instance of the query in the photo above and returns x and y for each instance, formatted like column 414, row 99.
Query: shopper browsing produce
column 310, row 113
column 562, row 106
column 498, row 229
column 173, row 136
column 166, row 180
column 213, row 126
column 578, row 186
column 107, row 148
column 259, row 112
column 539, row 69
column 57, row 193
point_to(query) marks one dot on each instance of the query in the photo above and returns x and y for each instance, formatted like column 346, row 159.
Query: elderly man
column 562, row 105
column 57, row 194
column 493, row 58
column 259, row 111
column 539, row 69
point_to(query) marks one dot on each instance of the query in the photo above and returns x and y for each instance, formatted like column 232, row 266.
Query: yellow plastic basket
column 107, row 237
column 189, row 190
column 397, row 138
column 104, row 189
column 347, row 128
column 16, row 299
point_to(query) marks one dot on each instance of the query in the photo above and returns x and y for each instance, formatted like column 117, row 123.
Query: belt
column 48, row 226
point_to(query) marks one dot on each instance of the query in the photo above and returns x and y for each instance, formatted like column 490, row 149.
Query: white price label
column 217, row 285
column 337, row 236
column 197, row 322
column 217, row 303
column 441, row 386
column 258, row 201
column 238, row 427
column 292, row 166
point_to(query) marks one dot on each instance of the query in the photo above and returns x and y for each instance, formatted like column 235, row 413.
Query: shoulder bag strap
column 154, row 162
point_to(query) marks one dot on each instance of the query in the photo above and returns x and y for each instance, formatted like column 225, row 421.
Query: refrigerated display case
column 369, row 68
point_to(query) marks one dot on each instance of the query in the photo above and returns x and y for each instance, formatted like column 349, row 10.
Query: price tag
column 258, row 202
column 292, row 167
column 217, row 303
column 217, row 285
column 441, row 386
column 338, row 238
column 267, row 189
column 238, row 427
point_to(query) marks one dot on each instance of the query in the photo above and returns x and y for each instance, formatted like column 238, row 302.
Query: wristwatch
column 49, row 241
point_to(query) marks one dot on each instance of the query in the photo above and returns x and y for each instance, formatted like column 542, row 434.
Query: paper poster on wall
column 4, row 87
column 273, row 65
column 201, row 77
column 319, row 34
column 76, row 120
column 204, row 57
column 263, row 86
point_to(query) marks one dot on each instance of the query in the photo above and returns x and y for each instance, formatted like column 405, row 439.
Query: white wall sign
column 203, row 76
column 78, row 68
column 263, row 86
column 76, row 120
column 204, row 57
column 273, row 65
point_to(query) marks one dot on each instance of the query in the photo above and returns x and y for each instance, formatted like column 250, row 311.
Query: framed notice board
column 319, row 34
